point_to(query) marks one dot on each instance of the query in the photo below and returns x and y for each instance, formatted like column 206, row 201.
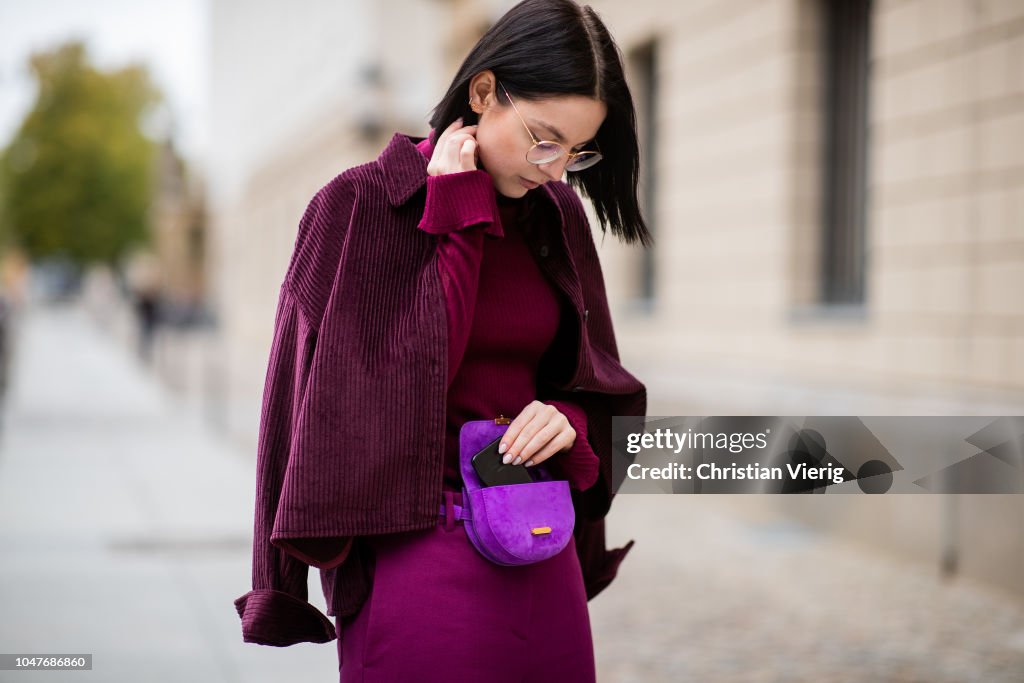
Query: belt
column 450, row 511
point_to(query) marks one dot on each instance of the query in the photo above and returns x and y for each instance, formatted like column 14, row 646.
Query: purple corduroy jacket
column 352, row 428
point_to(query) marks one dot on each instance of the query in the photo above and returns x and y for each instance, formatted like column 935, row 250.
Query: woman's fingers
column 534, row 437
column 549, row 450
column 512, row 443
column 446, row 133
column 467, row 156
column 537, row 433
column 455, row 150
column 442, row 140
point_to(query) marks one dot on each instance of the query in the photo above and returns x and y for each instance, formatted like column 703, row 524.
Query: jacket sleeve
column 461, row 210
column 276, row 611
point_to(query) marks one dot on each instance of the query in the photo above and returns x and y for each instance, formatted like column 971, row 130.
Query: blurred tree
column 76, row 179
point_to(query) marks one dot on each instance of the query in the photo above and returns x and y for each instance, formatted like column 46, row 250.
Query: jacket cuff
column 456, row 201
column 600, row 566
column 271, row 617
column 607, row 571
column 322, row 553
column 579, row 465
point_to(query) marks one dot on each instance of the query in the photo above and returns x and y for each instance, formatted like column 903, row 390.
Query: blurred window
column 644, row 85
column 846, row 50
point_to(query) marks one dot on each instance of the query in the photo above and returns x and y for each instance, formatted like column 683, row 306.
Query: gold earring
column 475, row 107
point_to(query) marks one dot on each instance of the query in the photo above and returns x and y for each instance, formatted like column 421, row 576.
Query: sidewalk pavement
column 125, row 522
column 720, row 588
column 126, row 525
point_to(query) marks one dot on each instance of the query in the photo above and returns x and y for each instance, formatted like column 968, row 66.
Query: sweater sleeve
column 277, row 611
column 461, row 210
column 579, row 465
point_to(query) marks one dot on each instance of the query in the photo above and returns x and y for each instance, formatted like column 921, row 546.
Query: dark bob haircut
column 547, row 48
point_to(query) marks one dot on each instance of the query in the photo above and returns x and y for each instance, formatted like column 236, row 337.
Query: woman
column 404, row 314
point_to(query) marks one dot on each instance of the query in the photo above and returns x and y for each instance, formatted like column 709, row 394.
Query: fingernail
column 518, row 458
column 507, row 459
column 501, row 448
column 529, row 463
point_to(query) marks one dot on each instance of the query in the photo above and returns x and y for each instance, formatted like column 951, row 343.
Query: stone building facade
column 837, row 198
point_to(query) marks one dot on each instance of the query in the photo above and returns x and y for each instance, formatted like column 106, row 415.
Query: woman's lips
column 527, row 184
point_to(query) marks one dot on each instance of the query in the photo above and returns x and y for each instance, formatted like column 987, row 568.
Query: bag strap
column 459, row 511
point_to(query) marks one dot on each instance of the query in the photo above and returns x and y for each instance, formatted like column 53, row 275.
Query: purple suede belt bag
column 512, row 524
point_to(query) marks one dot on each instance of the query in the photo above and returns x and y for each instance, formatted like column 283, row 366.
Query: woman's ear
column 482, row 90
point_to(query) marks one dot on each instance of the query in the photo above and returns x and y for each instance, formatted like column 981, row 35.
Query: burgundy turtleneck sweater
column 514, row 320
column 503, row 314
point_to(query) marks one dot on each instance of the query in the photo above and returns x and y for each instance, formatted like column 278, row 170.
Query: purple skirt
column 439, row 611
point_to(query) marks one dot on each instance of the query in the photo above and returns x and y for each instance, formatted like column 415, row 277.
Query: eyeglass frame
column 569, row 153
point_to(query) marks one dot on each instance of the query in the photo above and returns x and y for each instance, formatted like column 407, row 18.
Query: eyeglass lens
column 545, row 152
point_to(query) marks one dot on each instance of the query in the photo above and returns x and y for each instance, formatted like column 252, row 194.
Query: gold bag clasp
column 537, row 531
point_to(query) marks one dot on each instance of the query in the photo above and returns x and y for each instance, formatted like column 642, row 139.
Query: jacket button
column 586, row 314
column 544, row 251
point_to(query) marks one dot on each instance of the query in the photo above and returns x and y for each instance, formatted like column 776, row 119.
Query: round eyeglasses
column 546, row 151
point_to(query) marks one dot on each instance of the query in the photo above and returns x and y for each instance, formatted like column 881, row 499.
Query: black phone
column 493, row 472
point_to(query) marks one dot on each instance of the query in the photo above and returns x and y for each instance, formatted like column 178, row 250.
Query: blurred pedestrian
column 147, row 314
column 5, row 345
column 144, row 286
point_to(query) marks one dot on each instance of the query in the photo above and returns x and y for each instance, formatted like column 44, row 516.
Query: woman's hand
column 455, row 150
column 537, row 433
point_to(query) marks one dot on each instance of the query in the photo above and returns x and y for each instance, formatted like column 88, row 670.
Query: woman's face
column 503, row 141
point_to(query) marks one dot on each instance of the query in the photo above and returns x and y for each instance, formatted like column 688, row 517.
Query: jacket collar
column 405, row 170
